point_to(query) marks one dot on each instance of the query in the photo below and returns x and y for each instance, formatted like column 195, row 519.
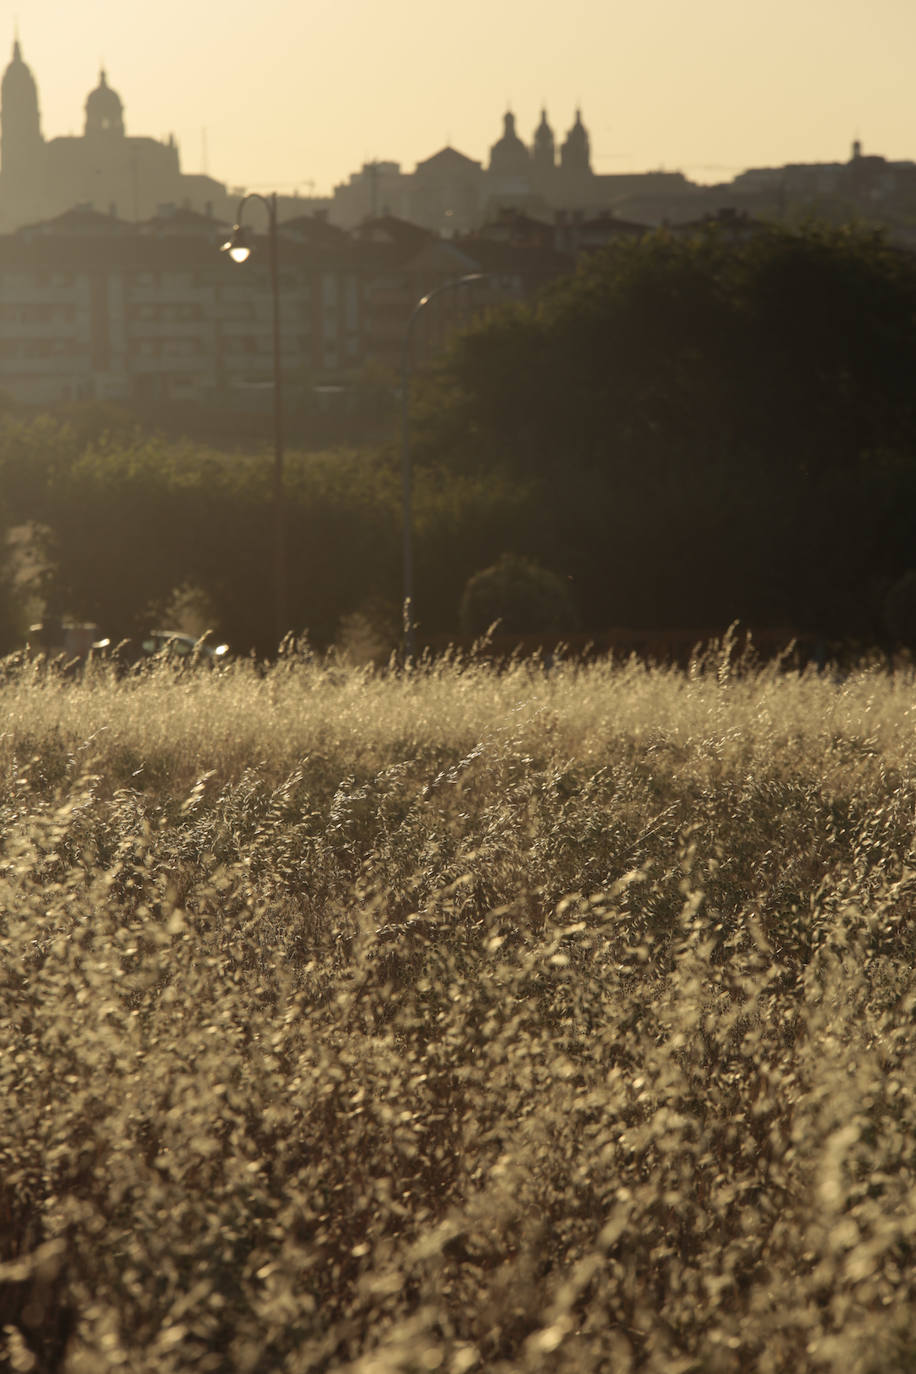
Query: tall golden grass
column 458, row 1020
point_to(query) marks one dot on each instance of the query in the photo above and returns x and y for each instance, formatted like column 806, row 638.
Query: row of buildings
column 112, row 285
column 129, row 176
column 97, row 308
column 455, row 194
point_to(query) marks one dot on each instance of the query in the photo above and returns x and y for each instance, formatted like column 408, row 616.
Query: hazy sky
column 299, row 93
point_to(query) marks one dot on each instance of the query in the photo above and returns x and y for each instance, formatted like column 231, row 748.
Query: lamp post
column 406, row 472
column 239, row 251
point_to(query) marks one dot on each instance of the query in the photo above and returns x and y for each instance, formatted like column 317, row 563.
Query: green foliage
column 13, row 614
column 463, row 521
column 523, row 597
column 689, row 431
column 132, row 517
column 715, row 427
column 794, row 347
column 128, row 519
column 457, row 1021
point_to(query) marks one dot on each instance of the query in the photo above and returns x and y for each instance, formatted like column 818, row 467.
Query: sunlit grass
column 458, row 1020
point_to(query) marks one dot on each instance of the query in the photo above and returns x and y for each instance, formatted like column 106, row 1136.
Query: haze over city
column 297, row 96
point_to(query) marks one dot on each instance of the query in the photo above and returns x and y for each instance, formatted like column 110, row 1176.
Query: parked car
column 69, row 646
column 174, row 644
column 65, row 643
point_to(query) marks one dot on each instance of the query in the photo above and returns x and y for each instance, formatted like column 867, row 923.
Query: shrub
column 523, row 597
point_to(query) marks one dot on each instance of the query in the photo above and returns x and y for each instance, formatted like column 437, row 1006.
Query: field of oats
column 458, row 1021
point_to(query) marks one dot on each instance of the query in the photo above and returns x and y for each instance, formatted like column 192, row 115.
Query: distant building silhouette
column 114, row 287
column 134, row 179
column 509, row 157
column 453, row 194
column 543, row 151
column 98, row 308
column 104, row 168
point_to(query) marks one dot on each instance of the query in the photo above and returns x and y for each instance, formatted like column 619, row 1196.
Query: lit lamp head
column 238, row 246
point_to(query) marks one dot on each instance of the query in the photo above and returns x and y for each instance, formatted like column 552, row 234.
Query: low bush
column 518, row 594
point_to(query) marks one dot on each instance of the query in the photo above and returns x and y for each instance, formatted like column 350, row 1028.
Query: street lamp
column 239, row 249
column 406, row 473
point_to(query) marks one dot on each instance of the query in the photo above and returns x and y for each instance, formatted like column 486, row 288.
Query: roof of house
column 728, row 217
column 610, row 224
column 515, row 225
column 312, row 229
column 389, row 229
column 82, row 219
column 180, row 220
column 514, row 259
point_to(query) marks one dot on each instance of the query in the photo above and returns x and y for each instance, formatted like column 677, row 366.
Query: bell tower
column 21, row 143
column 575, row 155
column 509, row 156
column 104, row 111
column 544, row 153
column 22, row 148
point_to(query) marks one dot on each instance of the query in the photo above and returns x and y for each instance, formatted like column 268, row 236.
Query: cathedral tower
column 544, row 153
column 21, row 143
column 509, row 157
column 575, row 155
column 104, row 110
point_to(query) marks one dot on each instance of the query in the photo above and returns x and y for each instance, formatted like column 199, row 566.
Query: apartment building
column 95, row 308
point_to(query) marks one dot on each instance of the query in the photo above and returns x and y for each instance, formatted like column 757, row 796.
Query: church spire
column 575, row 155
column 21, row 143
column 544, row 149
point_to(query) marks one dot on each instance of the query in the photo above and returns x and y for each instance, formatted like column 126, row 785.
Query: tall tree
column 687, row 406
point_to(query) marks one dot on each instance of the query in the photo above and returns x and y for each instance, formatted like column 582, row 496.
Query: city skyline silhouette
column 293, row 98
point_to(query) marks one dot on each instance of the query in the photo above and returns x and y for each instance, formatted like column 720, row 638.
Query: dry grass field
column 458, row 1021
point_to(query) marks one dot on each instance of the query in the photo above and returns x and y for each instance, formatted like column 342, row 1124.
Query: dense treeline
column 684, row 432
column 123, row 520
column 108, row 528
column 713, row 429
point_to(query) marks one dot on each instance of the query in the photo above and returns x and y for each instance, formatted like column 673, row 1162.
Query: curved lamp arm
column 238, row 246
column 467, row 280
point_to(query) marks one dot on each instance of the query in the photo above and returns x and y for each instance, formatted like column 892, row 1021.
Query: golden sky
column 292, row 94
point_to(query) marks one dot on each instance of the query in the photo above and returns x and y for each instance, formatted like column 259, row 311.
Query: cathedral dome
column 104, row 110
column 509, row 156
